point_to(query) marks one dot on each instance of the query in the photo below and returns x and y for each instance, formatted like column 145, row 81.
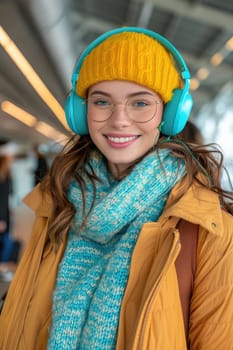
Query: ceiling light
column 203, row 73
column 229, row 44
column 194, row 84
column 33, row 78
column 47, row 130
column 18, row 113
column 31, row 121
column 216, row 59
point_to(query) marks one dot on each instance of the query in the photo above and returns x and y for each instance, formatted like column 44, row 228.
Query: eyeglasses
column 140, row 109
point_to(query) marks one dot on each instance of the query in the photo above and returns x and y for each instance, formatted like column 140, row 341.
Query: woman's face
column 123, row 119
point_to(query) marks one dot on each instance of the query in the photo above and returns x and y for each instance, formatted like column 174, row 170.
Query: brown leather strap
column 186, row 265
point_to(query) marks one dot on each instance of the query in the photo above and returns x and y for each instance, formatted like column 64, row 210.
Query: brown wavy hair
column 70, row 164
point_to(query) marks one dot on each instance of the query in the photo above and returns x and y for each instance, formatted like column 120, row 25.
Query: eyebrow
column 133, row 94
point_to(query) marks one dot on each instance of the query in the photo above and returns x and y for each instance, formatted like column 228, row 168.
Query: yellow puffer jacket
column 151, row 315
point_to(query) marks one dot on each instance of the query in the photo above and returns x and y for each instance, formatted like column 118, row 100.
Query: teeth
column 121, row 139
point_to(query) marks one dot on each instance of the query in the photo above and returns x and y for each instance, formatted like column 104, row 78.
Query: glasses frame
column 157, row 102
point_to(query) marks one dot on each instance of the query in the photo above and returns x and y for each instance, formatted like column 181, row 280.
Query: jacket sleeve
column 211, row 313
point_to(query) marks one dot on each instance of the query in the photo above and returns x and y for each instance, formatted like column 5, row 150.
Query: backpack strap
column 186, row 265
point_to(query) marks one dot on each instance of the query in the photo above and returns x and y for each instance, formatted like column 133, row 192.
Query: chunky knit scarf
column 94, row 271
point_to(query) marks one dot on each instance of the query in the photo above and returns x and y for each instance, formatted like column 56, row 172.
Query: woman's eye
column 140, row 104
column 102, row 103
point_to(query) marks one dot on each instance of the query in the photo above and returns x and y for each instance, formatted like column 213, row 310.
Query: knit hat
column 134, row 57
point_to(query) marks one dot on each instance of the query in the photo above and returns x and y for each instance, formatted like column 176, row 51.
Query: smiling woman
column 123, row 131
column 132, row 246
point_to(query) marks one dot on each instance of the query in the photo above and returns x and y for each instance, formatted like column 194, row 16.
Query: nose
column 119, row 117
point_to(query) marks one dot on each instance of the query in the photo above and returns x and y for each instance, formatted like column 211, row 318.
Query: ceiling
column 52, row 33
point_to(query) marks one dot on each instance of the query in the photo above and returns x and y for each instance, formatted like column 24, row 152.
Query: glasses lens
column 100, row 107
column 141, row 109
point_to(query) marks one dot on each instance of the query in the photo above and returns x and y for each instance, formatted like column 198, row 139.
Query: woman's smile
column 121, row 141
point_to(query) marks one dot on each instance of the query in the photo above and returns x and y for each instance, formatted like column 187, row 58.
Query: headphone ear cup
column 76, row 114
column 176, row 112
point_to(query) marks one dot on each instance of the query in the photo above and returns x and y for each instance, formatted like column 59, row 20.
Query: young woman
column 132, row 246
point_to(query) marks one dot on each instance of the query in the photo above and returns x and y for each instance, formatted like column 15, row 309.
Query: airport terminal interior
column 40, row 41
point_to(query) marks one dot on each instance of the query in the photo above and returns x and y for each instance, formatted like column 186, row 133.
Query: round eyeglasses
column 140, row 109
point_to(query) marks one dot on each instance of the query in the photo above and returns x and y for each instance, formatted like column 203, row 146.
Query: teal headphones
column 176, row 111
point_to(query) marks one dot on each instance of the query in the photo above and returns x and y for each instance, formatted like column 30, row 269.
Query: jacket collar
column 198, row 205
column 40, row 203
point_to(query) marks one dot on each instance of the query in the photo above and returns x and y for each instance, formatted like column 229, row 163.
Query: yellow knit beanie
column 134, row 57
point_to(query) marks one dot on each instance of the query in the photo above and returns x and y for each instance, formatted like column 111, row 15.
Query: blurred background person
column 41, row 166
column 9, row 248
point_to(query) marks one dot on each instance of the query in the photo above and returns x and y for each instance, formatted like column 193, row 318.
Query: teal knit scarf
column 94, row 271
